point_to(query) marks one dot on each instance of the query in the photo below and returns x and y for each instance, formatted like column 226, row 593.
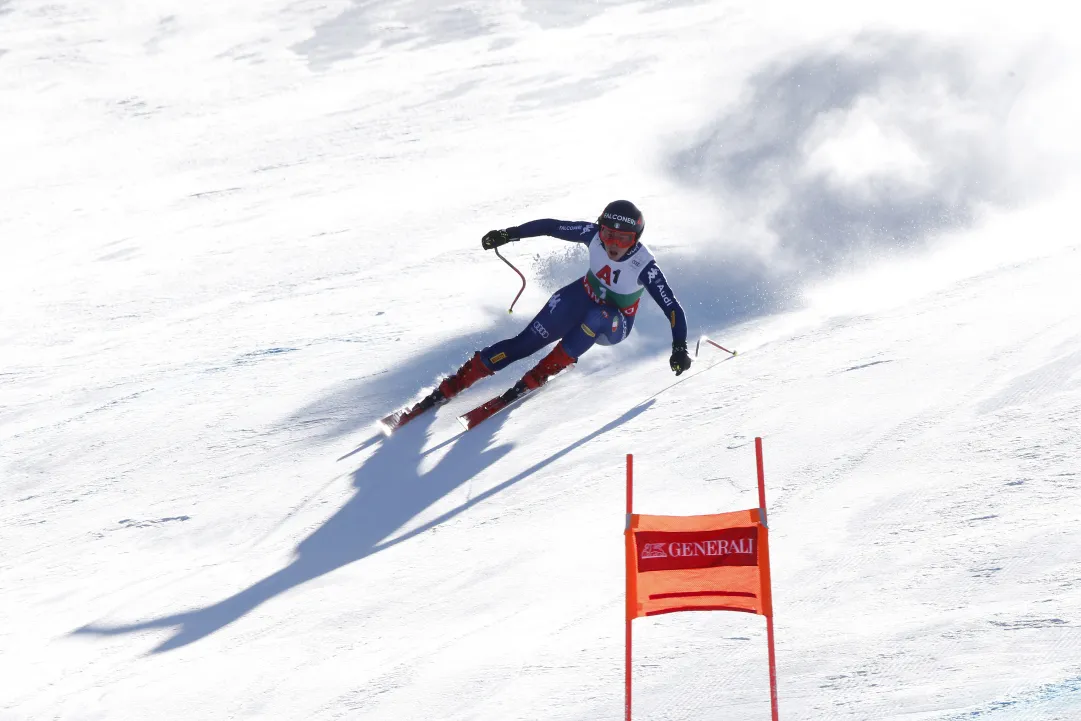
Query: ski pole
column 715, row 345
column 511, row 309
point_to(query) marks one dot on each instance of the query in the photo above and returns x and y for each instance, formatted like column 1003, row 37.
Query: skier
column 599, row 307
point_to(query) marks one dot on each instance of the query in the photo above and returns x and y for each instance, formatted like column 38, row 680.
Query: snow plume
column 845, row 153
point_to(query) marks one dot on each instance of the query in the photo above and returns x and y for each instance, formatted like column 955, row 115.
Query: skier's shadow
column 389, row 493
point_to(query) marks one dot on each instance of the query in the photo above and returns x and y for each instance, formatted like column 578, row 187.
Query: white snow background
column 234, row 234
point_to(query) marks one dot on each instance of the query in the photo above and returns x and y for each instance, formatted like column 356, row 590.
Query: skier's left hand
column 680, row 360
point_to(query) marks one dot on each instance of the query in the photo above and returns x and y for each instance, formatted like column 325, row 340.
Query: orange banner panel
column 717, row 562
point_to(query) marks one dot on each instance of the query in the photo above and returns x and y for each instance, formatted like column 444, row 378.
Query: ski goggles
column 619, row 238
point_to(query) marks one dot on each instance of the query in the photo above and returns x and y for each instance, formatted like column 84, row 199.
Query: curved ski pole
column 511, row 309
column 715, row 345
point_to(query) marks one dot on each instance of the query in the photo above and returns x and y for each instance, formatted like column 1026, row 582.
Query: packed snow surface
column 234, row 235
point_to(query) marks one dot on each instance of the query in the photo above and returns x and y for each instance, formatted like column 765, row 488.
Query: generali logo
column 690, row 549
column 654, row 550
column 663, row 551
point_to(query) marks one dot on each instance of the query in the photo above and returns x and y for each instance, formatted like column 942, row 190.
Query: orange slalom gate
column 717, row 562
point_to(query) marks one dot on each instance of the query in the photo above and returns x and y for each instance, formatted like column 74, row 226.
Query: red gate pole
column 769, row 618
column 627, row 612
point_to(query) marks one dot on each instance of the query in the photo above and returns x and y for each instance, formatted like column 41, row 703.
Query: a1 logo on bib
column 607, row 276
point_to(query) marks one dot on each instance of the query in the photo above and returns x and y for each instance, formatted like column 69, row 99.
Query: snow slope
column 234, row 235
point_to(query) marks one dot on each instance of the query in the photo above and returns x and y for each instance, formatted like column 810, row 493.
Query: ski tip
column 388, row 424
column 465, row 422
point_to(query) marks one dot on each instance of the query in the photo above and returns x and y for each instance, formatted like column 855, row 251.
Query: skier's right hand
column 495, row 238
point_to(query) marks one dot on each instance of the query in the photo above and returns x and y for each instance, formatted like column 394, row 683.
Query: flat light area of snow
column 234, row 235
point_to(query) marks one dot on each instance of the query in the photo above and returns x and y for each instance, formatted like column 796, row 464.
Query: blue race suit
column 572, row 315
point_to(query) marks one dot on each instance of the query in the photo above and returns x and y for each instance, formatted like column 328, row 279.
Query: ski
column 397, row 419
column 481, row 413
column 488, row 409
column 515, row 394
column 391, row 423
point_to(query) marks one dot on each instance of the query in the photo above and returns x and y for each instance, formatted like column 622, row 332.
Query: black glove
column 680, row 360
column 496, row 238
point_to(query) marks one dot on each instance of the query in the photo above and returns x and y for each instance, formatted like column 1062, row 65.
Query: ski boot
column 548, row 366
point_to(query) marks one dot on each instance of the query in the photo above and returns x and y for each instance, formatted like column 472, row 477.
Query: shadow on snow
column 389, row 492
